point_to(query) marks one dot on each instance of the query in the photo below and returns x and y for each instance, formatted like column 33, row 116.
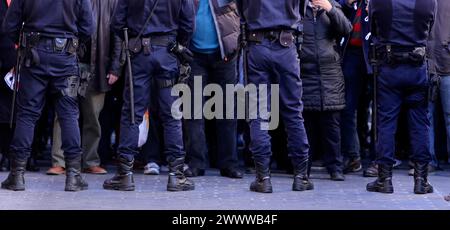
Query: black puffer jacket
column 321, row 73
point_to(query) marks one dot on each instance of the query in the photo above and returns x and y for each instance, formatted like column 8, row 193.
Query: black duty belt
column 56, row 44
column 137, row 45
column 33, row 40
column 402, row 55
column 286, row 37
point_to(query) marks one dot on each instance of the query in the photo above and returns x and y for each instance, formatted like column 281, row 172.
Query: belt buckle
column 60, row 44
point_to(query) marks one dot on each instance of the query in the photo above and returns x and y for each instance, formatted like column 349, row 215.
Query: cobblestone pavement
column 215, row 192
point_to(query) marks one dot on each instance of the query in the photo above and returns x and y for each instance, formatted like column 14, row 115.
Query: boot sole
column 261, row 191
column 427, row 191
column 182, row 189
column 12, row 188
column 76, row 189
column 302, row 188
column 380, row 191
column 119, row 188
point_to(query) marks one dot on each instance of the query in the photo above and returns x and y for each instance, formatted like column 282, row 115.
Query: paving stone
column 215, row 192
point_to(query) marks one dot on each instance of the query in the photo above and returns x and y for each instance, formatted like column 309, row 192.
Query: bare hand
column 112, row 79
column 324, row 4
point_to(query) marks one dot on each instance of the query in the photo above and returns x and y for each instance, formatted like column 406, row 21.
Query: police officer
column 401, row 29
column 153, row 27
column 49, row 43
column 273, row 59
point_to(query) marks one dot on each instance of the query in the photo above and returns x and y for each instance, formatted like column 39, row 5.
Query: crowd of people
column 326, row 111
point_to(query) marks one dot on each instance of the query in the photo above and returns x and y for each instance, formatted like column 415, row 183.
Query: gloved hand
column 183, row 53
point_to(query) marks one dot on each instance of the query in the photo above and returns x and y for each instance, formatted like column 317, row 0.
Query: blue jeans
column 445, row 98
column 213, row 70
column 431, row 117
column 356, row 77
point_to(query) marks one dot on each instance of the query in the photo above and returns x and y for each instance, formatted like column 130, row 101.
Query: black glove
column 183, row 53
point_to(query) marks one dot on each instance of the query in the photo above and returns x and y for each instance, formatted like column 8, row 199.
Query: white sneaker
column 151, row 169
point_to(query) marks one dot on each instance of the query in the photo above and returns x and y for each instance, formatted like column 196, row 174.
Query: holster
column 29, row 42
column 73, row 83
column 85, row 78
column 182, row 78
column 185, row 73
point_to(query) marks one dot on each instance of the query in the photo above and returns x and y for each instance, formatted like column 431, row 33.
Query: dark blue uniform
column 400, row 31
column 173, row 19
column 49, row 69
column 403, row 24
column 50, row 32
column 273, row 59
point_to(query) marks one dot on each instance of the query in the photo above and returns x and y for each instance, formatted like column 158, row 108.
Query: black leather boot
column 74, row 181
column 384, row 182
column 16, row 180
column 421, row 185
column 123, row 180
column 177, row 180
column 262, row 182
column 301, row 178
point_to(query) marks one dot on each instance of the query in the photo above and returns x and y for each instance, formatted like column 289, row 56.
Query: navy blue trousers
column 159, row 65
column 403, row 85
column 49, row 78
column 271, row 63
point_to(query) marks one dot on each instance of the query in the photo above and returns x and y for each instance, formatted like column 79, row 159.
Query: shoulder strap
column 148, row 19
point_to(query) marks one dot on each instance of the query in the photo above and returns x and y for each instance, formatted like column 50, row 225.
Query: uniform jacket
column 350, row 13
column 7, row 62
column 175, row 17
column 321, row 72
column 227, row 21
column 402, row 23
column 439, row 45
column 63, row 18
column 105, row 47
column 270, row 14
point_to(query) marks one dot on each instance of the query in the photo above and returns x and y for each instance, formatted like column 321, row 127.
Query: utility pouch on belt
column 286, row 38
column 135, row 45
column 146, row 46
